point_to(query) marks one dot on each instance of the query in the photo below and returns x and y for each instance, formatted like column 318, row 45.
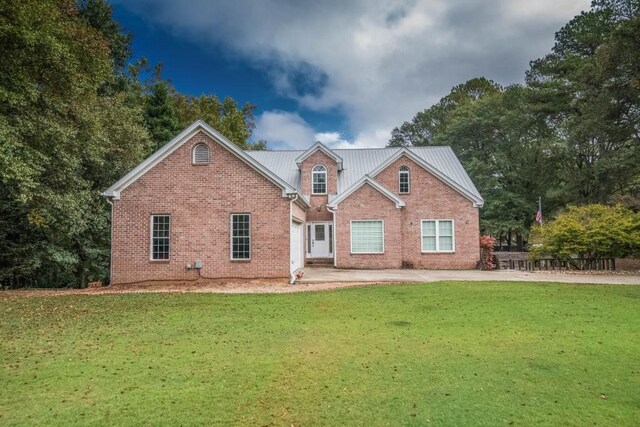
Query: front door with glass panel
column 320, row 239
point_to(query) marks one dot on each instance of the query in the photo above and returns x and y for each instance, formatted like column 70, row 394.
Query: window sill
column 160, row 261
column 240, row 260
column 438, row 252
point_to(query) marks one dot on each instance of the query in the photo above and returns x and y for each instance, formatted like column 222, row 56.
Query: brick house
column 202, row 207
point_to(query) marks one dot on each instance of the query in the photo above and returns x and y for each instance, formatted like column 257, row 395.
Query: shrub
column 589, row 232
column 486, row 252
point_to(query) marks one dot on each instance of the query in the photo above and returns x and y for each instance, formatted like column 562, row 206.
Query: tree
column 511, row 156
column 590, row 232
column 427, row 124
column 61, row 139
column 587, row 90
column 234, row 122
column 160, row 116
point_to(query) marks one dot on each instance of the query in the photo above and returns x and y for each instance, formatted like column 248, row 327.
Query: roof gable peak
column 375, row 185
column 191, row 130
column 326, row 150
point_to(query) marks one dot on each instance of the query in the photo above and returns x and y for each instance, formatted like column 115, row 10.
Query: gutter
column 335, row 242
column 110, row 243
column 292, row 199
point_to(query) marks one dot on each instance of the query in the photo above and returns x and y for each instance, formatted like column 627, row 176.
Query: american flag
column 539, row 217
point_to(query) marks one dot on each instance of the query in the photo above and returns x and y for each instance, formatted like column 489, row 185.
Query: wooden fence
column 608, row 264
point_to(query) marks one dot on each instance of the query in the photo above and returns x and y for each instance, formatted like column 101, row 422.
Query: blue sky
column 344, row 73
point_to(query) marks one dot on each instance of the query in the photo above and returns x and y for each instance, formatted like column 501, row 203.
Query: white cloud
column 379, row 61
column 284, row 130
column 331, row 139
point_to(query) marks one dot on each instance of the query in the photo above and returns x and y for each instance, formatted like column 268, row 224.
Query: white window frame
column 401, row 170
column 151, row 258
column 326, row 180
column 453, row 236
column 351, row 236
column 231, row 237
column 193, row 154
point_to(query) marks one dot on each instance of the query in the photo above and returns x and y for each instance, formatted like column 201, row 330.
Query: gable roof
column 321, row 147
column 373, row 183
column 438, row 160
column 475, row 198
column 181, row 138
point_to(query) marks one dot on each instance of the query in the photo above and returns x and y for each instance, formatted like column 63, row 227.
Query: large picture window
column 367, row 237
column 319, row 179
column 160, row 237
column 240, row 236
column 437, row 235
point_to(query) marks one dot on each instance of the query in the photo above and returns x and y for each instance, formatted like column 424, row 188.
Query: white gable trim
column 175, row 143
column 319, row 146
column 376, row 186
column 477, row 202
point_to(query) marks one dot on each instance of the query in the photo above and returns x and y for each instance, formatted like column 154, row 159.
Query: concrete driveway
column 328, row 275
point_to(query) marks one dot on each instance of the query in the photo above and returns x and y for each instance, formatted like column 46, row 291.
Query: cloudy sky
column 342, row 72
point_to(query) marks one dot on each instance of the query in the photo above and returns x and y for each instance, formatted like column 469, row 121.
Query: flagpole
column 540, row 208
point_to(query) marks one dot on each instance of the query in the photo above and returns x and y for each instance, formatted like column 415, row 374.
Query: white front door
column 320, row 240
column 296, row 246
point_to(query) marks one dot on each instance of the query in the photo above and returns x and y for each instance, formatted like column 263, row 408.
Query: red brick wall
column 200, row 200
column 318, row 211
column 368, row 203
column 430, row 198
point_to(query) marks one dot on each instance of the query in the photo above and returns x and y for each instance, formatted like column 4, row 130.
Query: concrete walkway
column 327, row 275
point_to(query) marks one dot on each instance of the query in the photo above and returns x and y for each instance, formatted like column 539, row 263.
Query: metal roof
column 359, row 162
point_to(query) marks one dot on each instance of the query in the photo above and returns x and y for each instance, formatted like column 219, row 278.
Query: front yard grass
column 451, row 353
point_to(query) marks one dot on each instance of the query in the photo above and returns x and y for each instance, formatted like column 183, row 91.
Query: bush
column 589, row 232
column 486, row 252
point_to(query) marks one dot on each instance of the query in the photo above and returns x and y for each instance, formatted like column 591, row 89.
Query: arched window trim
column 404, row 187
column 318, row 170
column 200, row 160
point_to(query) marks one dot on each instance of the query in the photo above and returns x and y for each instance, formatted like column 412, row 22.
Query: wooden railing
column 608, row 264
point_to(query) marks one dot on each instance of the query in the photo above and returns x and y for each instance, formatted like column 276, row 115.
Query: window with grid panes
column 403, row 180
column 240, row 236
column 319, row 179
column 160, row 237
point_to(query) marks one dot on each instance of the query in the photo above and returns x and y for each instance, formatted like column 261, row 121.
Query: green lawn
column 442, row 354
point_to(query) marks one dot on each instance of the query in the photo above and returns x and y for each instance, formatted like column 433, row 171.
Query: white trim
column 111, row 243
column 373, row 183
column 307, row 241
column 326, row 176
column 351, row 236
column 408, row 172
column 193, row 154
column 477, row 202
column 179, row 140
column 231, row 237
column 319, row 146
column 151, row 258
column 335, row 234
column 437, row 236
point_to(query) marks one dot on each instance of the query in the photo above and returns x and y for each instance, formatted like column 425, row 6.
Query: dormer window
column 201, row 154
column 404, row 183
column 319, row 180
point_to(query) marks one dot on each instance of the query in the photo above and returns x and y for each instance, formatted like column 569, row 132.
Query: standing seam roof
column 359, row 162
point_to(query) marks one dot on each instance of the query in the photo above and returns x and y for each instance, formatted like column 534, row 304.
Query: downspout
column 111, row 244
column 335, row 242
column 292, row 199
